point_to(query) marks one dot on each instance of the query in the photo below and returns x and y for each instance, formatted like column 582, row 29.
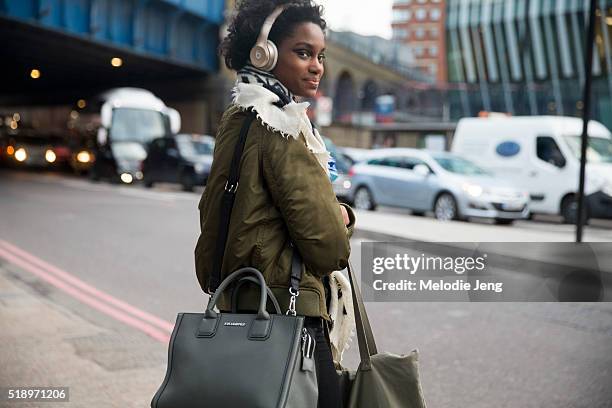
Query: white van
column 542, row 155
column 129, row 119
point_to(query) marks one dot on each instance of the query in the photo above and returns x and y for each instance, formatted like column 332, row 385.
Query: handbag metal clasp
column 294, row 294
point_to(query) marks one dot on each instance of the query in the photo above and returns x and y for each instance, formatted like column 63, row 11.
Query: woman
column 285, row 198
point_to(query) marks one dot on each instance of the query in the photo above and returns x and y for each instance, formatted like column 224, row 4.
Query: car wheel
column 569, row 210
column 187, row 182
column 93, row 175
column 503, row 221
column 445, row 208
column 364, row 200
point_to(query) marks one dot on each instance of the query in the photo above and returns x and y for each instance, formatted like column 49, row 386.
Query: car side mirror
column 102, row 136
column 175, row 120
column 106, row 115
column 421, row 170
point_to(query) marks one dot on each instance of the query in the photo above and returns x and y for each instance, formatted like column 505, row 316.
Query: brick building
column 421, row 25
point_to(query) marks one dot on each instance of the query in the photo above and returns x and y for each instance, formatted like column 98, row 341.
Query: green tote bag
column 382, row 380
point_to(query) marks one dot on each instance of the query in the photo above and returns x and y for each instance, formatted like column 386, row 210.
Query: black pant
column 327, row 379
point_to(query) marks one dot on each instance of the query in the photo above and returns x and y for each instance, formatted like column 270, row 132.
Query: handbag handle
column 365, row 336
column 262, row 314
column 252, row 279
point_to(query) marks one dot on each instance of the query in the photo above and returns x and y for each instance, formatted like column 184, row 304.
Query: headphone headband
column 268, row 23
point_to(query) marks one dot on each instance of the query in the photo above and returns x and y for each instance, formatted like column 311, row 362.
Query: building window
column 419, row 32
column 433, row 69
column 418, row 51
column 402, row 2
column 434, row 32
column 421, row 14
column 435, row 14
column 422, row 1
column 433, row 50
column 399, row 33
column 401, row 15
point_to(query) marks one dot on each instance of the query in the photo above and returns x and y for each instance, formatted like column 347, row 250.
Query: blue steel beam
column 178, row 31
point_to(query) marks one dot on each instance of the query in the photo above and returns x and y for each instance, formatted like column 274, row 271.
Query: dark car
column 183, row 159
column 119, row 161
column 36, row 150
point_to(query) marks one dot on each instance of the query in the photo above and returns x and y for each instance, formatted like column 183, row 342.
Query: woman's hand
column 345, row 215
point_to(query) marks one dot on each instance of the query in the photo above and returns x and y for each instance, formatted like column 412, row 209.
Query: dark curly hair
column 250, row 15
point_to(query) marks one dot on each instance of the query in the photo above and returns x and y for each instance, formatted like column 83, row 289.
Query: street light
column 116, row 62
column 34, row 74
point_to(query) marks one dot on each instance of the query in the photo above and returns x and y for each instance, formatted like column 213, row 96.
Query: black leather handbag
column 257, row 360
column 236, row 360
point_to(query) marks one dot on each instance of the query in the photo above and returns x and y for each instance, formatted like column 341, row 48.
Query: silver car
column 450, row 186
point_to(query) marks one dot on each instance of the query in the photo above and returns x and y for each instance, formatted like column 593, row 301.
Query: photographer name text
column 437, row 285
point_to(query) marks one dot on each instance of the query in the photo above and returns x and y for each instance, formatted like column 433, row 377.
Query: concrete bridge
column 80, row 46
column 56, row 52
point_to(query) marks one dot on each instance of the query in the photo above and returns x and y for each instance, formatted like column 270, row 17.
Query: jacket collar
column 289, row 121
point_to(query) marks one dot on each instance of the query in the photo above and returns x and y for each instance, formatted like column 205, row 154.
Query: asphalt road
column 137, row 245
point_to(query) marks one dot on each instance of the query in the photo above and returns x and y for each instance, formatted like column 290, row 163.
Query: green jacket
column 284, row 196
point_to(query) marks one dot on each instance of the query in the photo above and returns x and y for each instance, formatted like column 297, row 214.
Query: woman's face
column 300, row 60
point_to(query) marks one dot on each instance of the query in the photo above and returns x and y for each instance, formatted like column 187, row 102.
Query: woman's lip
column 315, row 83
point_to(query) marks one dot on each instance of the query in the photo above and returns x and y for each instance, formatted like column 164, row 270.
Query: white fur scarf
column 288, row 121
column 342, row 314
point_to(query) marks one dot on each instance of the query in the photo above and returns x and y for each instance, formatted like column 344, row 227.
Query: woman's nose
column 316, row 67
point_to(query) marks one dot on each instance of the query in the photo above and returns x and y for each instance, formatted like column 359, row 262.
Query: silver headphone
column 264, row 54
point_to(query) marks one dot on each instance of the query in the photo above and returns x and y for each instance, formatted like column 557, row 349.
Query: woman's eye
column 303, row 54
column 322, row 57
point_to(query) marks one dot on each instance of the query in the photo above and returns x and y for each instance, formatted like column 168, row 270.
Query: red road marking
column 97, row 304
column 156, row 321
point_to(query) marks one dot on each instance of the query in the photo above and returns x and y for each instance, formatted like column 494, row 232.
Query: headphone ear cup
column 260, row 56
column 272, row 56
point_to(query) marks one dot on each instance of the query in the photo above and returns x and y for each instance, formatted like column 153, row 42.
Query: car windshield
column 459, row 166
column 193, row 146
column 138, row 125
column 599, row 149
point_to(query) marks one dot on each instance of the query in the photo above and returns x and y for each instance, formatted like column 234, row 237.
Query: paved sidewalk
column 429, row 229
column 46, row 344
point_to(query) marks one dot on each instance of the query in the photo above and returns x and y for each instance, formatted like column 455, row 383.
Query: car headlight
column 607, row 189
column 20, row 154
column 126, row 178
column 473, row 189
column 346, row 184
column 83, row 157
column 50, row 156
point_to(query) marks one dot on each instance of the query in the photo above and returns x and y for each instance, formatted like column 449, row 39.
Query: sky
column 365, row 17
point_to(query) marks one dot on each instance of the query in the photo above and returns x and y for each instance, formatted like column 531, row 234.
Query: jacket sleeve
column 301, row 189
column 351, row 226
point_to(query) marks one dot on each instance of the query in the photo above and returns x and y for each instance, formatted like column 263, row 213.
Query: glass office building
column 526, row 57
